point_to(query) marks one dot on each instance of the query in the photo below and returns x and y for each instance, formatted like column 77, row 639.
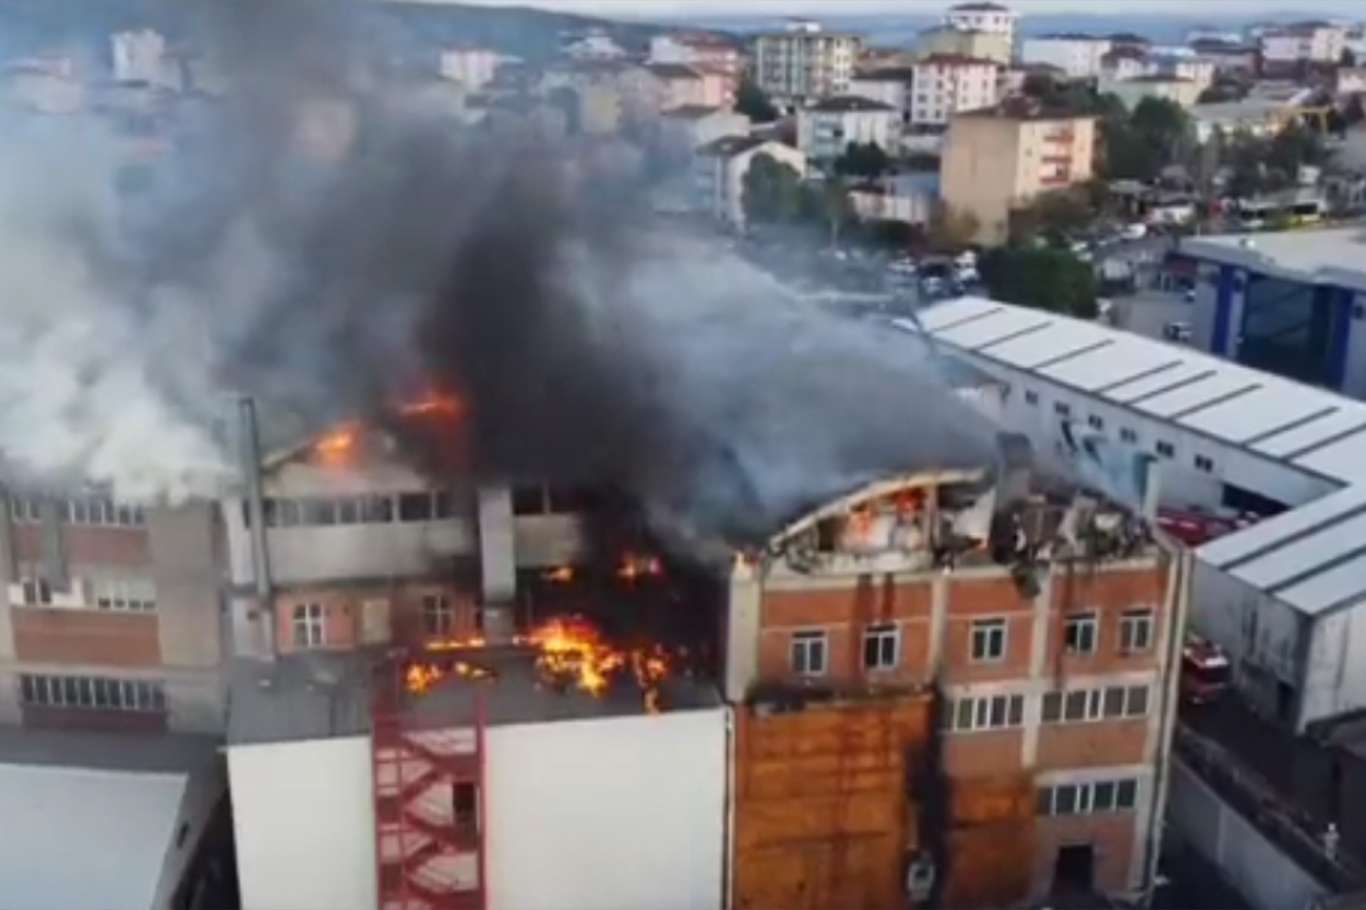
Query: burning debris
column 570, row 652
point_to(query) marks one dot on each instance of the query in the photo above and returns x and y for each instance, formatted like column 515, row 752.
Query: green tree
column 772, row 192
column 1053, row 215
column 862, row 160
column 1294, row 146
column 1162, row 124
column 754, row 103
column 1046, row 279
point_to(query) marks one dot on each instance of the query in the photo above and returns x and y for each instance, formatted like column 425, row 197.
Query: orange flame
column 445, row 405
column 636, row 565
column 561, row 575
column 337, row 445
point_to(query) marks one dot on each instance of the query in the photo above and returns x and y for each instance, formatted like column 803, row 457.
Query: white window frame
column 806, row 642
column 92, row 693
column 978, row 713
column 124, row 595
column 1131, row 624
column 1095, row 704
column 881, row 633
column 309, row 625
column 986, row 627
column 438, row 615
column 1085, row 800
column 1081, row 622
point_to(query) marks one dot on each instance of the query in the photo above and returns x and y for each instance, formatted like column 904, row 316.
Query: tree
column 1294, row 146
column 1045, row 279
column 831, row 204
column 772, row 192
column 1162, row 124
column 952, row 230
column 752, row 101
column 862, row 160
column 1053, row 215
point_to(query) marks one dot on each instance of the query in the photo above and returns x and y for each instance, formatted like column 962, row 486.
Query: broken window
column 880, row 647
column 1079, row 633
column 1136, row 631
column 808, row 653
column 989, row 639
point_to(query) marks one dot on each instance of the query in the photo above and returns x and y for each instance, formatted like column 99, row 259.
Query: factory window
column 25, row 509
column 1095, row 422
column 416, row 506
column 1079, row 634
column 1062, row 408
column 1127, row 435
column 1204, row 463
column 1052, row 707
column 437, row 616
column 1088, row 798
column 441, row 504
column 808, row 653
column 125, row 594
column 1165, row 449
column 1135, row 631
column 91, row 692
column 97, row 511
column 318, row 512
column 986, row 712
column 1031, row 397
column 348, row 511
column 989, row 639
column 377, row 509
column 1085, row 705
column 1138, row 701
column 36, row 589
column 880, row 647
column 308, row 625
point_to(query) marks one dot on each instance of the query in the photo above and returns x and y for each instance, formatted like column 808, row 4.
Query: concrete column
column 497, row 562
column 742, row 628
column 939, row 618
column 1038, row 670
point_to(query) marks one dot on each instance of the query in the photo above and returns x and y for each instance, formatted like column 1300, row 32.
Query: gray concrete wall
column 182, row 544
column 1262, row 873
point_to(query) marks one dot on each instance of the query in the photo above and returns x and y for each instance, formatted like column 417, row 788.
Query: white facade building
column 1078, row 56
column 984, row 17
column 719, row 170
column 1286, row 596
column 825, row 129
column 805, row 62
column 140, row 56
column 472, row 67
column 943, row 85
column 890, row 86
column 1314, row 42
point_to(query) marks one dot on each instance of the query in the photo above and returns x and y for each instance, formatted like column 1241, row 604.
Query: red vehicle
column 1195, row 528
column 1205, row 671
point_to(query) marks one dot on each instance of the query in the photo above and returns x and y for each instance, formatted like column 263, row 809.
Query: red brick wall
column 871, row 598
column 86, row 544
column 1108, row 594
column 342, row 613
column 986, row 752
column 979, row 599
column 85, row 636
column 1111, row 834
column 1099, row 743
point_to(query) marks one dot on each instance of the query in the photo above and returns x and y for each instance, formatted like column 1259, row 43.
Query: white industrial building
column 1078, row 56
column 1286, row 596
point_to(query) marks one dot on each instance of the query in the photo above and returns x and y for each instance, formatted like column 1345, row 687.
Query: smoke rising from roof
column 317, row 244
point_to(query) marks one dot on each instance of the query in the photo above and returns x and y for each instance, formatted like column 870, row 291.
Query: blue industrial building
column 1291, row 303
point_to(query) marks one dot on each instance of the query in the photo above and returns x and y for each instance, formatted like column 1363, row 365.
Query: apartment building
column 998, row 159
column 705, row 53
column 1053, row 686
column 1122, row 63
column 944, row 84
column 948, row 39
column 991, row 18
column 1078, row 56
column 1307, row 42
column 805, row 63
column 684, row 86
column 889, row 85
column 825, row 129
column 719, row 168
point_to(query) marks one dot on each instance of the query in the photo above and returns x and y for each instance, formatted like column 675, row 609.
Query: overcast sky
column 713, row 8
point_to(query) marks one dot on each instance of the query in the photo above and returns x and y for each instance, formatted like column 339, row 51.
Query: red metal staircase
column 429, row 854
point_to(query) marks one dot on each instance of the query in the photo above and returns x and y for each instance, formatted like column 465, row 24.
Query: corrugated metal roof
column 1313, row 556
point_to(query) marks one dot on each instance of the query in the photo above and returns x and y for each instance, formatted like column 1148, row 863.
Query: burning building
column 444, row 686
column 955, row 685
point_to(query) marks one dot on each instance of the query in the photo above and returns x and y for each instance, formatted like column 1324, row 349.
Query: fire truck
column 1205, row 671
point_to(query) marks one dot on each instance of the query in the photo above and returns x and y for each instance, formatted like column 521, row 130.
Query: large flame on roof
column 571, row 652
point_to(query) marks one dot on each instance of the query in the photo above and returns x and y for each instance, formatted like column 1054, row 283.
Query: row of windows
column 310, row 627
column 92, row 693
column 117, row 594
column 1082, row 705
column 988, row 712
column 1084, row 799
column 84, row 511
column 988, row 641
column 1126, row 434
column 377, row 508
